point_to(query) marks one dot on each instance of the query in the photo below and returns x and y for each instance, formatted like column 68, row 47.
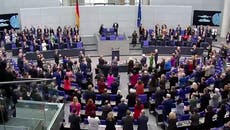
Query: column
column 225, row 18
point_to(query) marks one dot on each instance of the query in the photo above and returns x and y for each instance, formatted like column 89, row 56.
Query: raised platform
column 105, row 47
column 169, row 50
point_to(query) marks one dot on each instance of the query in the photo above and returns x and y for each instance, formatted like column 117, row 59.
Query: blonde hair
column 110, row 116
column 172, row 115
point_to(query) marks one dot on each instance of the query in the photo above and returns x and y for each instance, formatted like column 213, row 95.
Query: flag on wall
column 77, row 13
column 139, row 14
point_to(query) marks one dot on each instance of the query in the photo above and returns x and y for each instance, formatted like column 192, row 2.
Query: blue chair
column 135, row 122
column 131, row 109
column 31, row 48
column 121, row 37
column 115, row 109
column 112, row 37
column 79, row 45
column 103, row 122
column 185, row 117
column 143, row 98
column 86, row 121
column 202, row 114
column 13, row 45
column 61, row 93
column 99, row 108
column 119, row 122
column 102, row 38
column 113, row 97
column 150, row 31
column 146, row 43
column 153, row 96
column 186, row 103
column 98, row 97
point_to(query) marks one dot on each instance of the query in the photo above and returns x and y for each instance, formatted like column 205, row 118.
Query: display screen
column 201, row 17
column 9, row 21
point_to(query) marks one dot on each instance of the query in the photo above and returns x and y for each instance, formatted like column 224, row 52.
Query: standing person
column 56, row 57
column 220, row 115
column 122, row 108
column 151, row 61
column 134, row 38
column 142, row 121
column 137, row 109
column 156, row 57
column 194, row 120
column 208, row 123
column 75, row 106
column 115, row 27
column 110, row 122
column 105, row 110
column 172, row 121
column 90, row 108
column 228, row 38
column 167, row 105
column 127, row 121
column 93, row 122
column 139, row 87
column 143, row 60
column 74, row 121
column 110, row 79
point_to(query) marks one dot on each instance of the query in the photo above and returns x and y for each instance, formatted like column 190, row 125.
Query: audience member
column 90, row 108
column 105, row 110
column 122, row 108
column 137, row 109
column 75, row 105
column 172, row 119
column 74, row 120
column 131, row 98
column 127, row 121
column 93, row 121
column 208, row 122
column 142, row 121
column 110, row 122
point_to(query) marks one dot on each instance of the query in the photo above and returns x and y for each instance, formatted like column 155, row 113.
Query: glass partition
column 27, row 114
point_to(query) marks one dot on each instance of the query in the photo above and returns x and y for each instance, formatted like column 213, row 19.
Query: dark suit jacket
column 142, row 123
column 74, row 122
column 122, row 108
column 127, row 123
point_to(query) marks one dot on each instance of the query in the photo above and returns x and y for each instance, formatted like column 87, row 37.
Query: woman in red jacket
column 137, row 109
column 90, row 108
column 139, row 87
column 67, row 84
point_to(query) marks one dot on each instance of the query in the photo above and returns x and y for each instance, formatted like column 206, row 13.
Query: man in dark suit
column 167, row 104
column 89, row 94
column 127, row 121
column 56, row 57
column 74, row 121
column 142, row 121
column 122, row 108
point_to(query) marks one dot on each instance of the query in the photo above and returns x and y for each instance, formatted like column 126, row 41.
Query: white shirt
column 93, row 123
column 44, row 46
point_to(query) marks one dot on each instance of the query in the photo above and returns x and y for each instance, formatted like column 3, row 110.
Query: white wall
column 91, row 17
column 13, row 6
column 196, row 4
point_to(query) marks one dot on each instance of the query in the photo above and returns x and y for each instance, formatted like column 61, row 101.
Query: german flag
column 77, row 13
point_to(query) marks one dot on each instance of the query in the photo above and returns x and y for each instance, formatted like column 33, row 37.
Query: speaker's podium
column 116, row 53
column 105, row 46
